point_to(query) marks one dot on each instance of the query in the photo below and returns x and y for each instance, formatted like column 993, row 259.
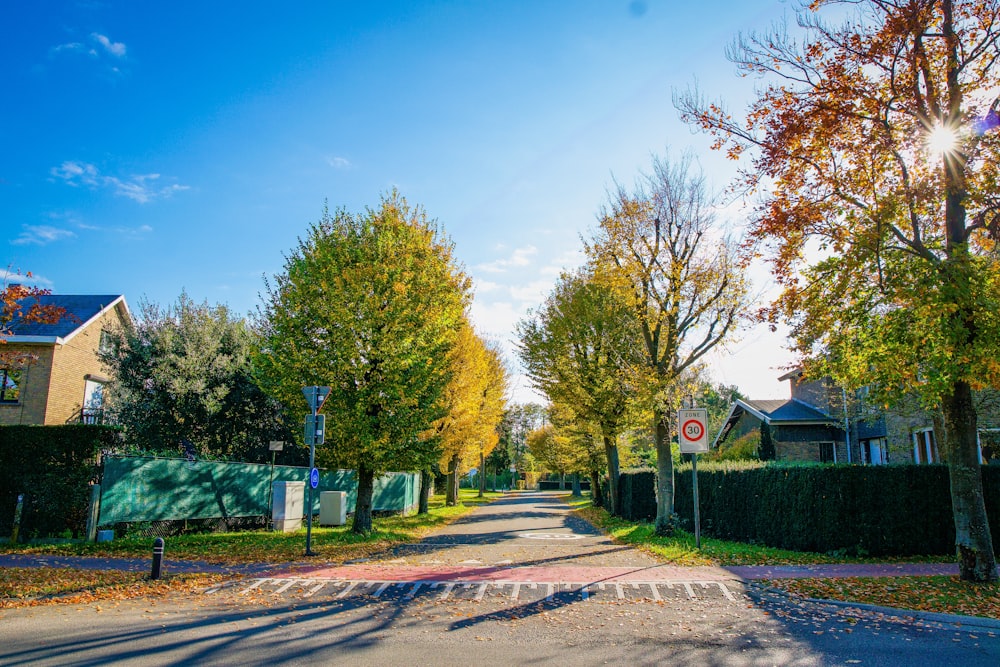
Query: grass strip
column 680, row 549
column 940, row 594
column 334, row 544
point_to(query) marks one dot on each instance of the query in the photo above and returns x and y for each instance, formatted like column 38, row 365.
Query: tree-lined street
column 519, row 581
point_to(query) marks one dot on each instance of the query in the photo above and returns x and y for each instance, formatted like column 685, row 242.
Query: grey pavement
column 317, row 614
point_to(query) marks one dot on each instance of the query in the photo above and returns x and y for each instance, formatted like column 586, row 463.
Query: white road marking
column 253, row 586
column 479, row 589
column 347, row 591
column 288, row 584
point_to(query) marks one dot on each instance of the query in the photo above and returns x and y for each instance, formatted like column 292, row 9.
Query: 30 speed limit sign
column 693, row 430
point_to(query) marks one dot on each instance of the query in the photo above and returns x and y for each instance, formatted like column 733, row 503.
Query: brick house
column 806, row 427
column 821, row 422
column 64, row 380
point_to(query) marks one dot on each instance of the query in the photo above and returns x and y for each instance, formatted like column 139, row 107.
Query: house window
column 925, row 449
column 827, row 454
column 10, row 385
column 875, row 451
column 93, row 402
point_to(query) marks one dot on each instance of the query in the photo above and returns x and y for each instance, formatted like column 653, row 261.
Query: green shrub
column 53, row 466
column 878, row 510
column 637, row 489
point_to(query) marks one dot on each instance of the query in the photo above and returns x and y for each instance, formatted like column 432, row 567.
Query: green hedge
column 637, row 493
column 53, row 466
column 878, row 510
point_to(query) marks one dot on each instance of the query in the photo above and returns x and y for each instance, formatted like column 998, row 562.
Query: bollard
column 157, row 558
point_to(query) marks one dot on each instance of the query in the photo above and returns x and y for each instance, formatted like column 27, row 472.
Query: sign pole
column 314, row 435
column 697, row 512
column 693, row 437
column 309, row 508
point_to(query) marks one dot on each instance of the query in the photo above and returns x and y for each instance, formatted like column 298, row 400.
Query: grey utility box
column 287, row 508
column 332, row 508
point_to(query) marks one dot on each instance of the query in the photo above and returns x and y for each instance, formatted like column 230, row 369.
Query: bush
column 637, row 490
column 53, row 466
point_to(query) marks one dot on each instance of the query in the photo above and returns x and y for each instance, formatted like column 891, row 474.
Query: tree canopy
column 475, row 401
column 873, row 151
column 577, row 349
column 183, row 372
column 663, row 254
column 371, row 305
column 22, row 303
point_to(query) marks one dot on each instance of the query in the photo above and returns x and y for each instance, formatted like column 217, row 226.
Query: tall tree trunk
column 595, row 487
column 426, row 484
column 363, row 509
column 664, row 474
column 562, row 481
column 973, row 541
column 482, row 474
column 451, row 495
column 576, row 485
column 611, row 452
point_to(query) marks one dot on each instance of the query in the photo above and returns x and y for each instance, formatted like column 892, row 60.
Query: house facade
column 61, row 379
column 821, row 422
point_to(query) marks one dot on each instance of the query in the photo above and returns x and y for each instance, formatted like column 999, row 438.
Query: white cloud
column 41, row 235
column 519, row 258
column 339, row 162
column 486, row 286
column 532, row 293
column 495, row 317
column 7, row 276
column 72, row 47
column 116, row 49
column 141, row 187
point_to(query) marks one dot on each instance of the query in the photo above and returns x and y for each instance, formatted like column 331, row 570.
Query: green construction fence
column 140, row 489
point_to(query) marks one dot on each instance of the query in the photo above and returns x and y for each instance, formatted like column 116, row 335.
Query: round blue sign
column 314, row 478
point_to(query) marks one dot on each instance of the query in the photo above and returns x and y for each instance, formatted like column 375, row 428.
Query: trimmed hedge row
column 900, row 510
column 638, row 503
column 53, row 466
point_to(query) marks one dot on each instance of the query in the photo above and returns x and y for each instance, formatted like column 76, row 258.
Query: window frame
column 15, row 384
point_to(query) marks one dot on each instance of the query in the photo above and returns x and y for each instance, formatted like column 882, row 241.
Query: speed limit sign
column 692, row 428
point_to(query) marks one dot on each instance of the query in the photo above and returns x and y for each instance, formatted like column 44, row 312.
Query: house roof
column 81, row 310
column 792, row 410
column 773, row 412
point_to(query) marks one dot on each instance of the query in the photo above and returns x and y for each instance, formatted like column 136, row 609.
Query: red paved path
column 576, row 574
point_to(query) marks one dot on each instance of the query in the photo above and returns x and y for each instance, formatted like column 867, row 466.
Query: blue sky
column 152, row 147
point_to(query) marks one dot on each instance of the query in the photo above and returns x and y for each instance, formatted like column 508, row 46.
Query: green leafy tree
column 876, row 143
column 184, row 372
column 371, row 306
column 577, row 348
column 666, row 258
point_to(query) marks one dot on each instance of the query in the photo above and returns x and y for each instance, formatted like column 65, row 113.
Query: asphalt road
column 574, row 599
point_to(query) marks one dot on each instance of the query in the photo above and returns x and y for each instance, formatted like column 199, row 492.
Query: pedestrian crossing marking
column 513, row 591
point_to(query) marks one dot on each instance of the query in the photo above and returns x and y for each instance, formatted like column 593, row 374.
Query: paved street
column 520, row 581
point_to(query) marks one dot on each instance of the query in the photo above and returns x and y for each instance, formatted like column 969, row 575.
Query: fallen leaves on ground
column 29, row 586
column 947, row 595
column 337, row 544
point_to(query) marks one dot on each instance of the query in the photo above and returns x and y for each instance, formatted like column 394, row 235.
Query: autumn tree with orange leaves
column 21, row 304
column 874, row 151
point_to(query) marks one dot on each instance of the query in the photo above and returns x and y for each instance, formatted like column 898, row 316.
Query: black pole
column 157, row 558
column 309, row 509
